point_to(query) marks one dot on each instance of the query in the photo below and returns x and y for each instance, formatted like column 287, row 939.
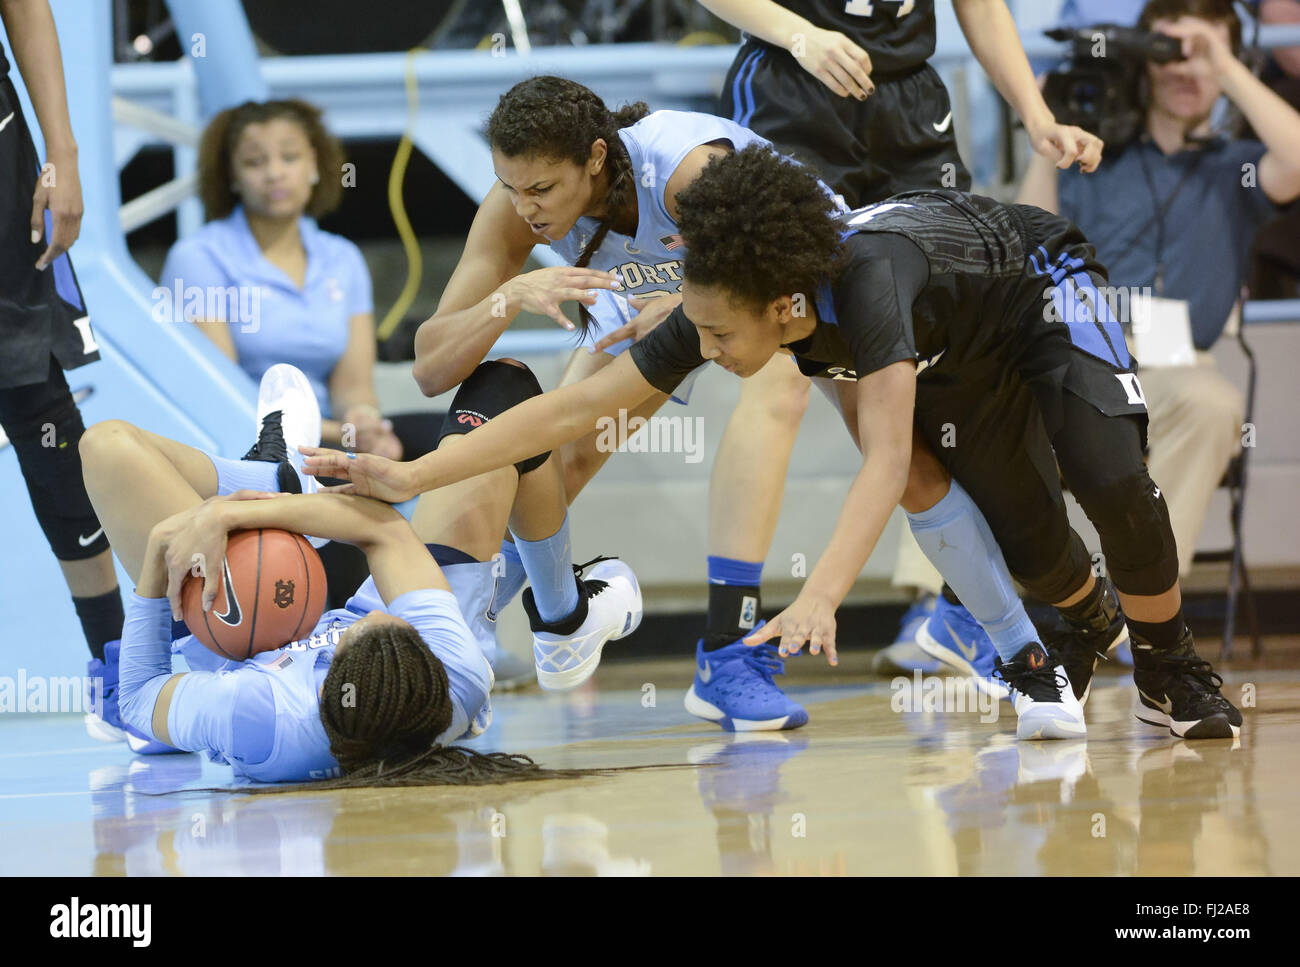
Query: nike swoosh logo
column 87, row 541
column 5, row 123
column 706, row 673
column 943, row 125
column 232, row 615
column 961, row 646
column 1167, row 706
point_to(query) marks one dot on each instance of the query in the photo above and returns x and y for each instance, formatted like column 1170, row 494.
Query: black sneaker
column 1180, row 691
column 270, row 448
column 1078, row 647
column 1046, row 707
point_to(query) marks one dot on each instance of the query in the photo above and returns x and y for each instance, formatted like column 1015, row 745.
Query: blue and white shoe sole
column 711, row 713
column 927, row 643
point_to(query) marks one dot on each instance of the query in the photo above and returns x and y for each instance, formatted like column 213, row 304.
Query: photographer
column 1176, row 210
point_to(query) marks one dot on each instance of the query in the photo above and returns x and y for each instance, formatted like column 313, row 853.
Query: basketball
column 271, row 592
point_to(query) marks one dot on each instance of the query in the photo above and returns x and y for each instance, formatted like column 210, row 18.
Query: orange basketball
column 271, row 592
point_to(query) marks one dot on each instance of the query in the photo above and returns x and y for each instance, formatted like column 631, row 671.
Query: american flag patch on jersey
column 671, row 242
column 281, row 663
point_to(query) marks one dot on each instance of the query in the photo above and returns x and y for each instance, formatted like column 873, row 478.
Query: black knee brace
column 46, row 433
column 1131, row 516
column 1068, row 572
column 490, row 390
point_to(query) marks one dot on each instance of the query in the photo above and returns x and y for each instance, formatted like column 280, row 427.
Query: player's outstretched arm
column 535, row 426
column 991, row 33
column 884, row 418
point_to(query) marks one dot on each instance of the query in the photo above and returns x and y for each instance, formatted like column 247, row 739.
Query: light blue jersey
column 651, row 262
column 262, row 716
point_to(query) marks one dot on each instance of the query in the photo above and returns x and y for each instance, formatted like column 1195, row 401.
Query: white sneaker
column 286, row 389
column 1042, row 696
column 565, row 653
column 288, row 416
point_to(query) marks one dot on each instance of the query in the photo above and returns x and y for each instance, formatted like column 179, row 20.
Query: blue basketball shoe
column 103, row 719
column 953, row 636
column 734, row 687
column 905, row 656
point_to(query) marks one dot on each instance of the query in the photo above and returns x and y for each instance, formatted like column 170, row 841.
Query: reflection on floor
column 863, row 789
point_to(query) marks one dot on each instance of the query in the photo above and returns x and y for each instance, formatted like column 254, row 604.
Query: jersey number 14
column 865, row 8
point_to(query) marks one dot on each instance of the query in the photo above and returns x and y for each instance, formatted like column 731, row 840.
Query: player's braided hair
column 559, row 119
column 385, row 701
column 758, row 226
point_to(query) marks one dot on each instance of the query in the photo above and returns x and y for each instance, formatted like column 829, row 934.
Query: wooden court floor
column 867, row 787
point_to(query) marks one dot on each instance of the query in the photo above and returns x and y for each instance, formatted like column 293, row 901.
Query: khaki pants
column 1195, row 430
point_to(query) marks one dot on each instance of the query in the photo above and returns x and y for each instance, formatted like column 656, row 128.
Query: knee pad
column 493, row 388
column 46, row 440
column 1137, row 540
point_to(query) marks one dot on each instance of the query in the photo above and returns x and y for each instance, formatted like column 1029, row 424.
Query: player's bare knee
column 106, row 441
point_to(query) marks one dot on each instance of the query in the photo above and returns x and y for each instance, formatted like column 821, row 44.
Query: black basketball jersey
column 898, row 34
column 926, row 275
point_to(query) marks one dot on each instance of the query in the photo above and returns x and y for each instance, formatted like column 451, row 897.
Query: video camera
column 1097, row 89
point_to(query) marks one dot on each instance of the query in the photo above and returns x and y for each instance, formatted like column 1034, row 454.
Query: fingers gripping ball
column 271, row 592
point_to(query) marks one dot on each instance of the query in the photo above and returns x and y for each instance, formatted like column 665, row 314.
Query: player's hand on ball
column 1065, row 145
column 809, row 619
column 651, row 309
column 368, row 474
column 836, row 61
column 194, row 543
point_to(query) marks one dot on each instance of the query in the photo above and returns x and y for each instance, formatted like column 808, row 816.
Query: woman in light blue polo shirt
column 300, row 295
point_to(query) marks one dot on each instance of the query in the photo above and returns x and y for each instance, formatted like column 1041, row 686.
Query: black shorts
column 899, row 138
column 991, row 422
column 39, row 311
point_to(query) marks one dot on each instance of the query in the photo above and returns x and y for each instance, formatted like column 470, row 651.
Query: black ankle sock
column 101, row 619
column 1160, row 635
column 733, row 612
column 1094, row 611
column 950, row 596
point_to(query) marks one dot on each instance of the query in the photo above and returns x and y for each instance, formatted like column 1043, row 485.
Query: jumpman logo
column 943, row 543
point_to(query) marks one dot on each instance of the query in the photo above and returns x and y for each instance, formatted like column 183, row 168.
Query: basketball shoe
column 1179, row 690
column 954, row 637
column 905, row 655
column 288, row 417
column 1040, row 691
column 103, row 717
column 1078, row 647
column 566, row 652
column 734, row 687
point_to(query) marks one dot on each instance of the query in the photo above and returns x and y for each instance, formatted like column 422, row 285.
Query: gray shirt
column 1213, row 207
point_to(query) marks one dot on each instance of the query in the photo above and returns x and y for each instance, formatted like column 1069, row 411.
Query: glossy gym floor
column 867, row 787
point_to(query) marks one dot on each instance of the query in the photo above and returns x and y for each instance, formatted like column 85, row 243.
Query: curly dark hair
column 559, row 120
column 758, row 226
column 217, row 149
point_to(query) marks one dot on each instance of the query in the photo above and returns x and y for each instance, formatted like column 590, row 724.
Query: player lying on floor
column 1020, row 356
column 379, row 687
